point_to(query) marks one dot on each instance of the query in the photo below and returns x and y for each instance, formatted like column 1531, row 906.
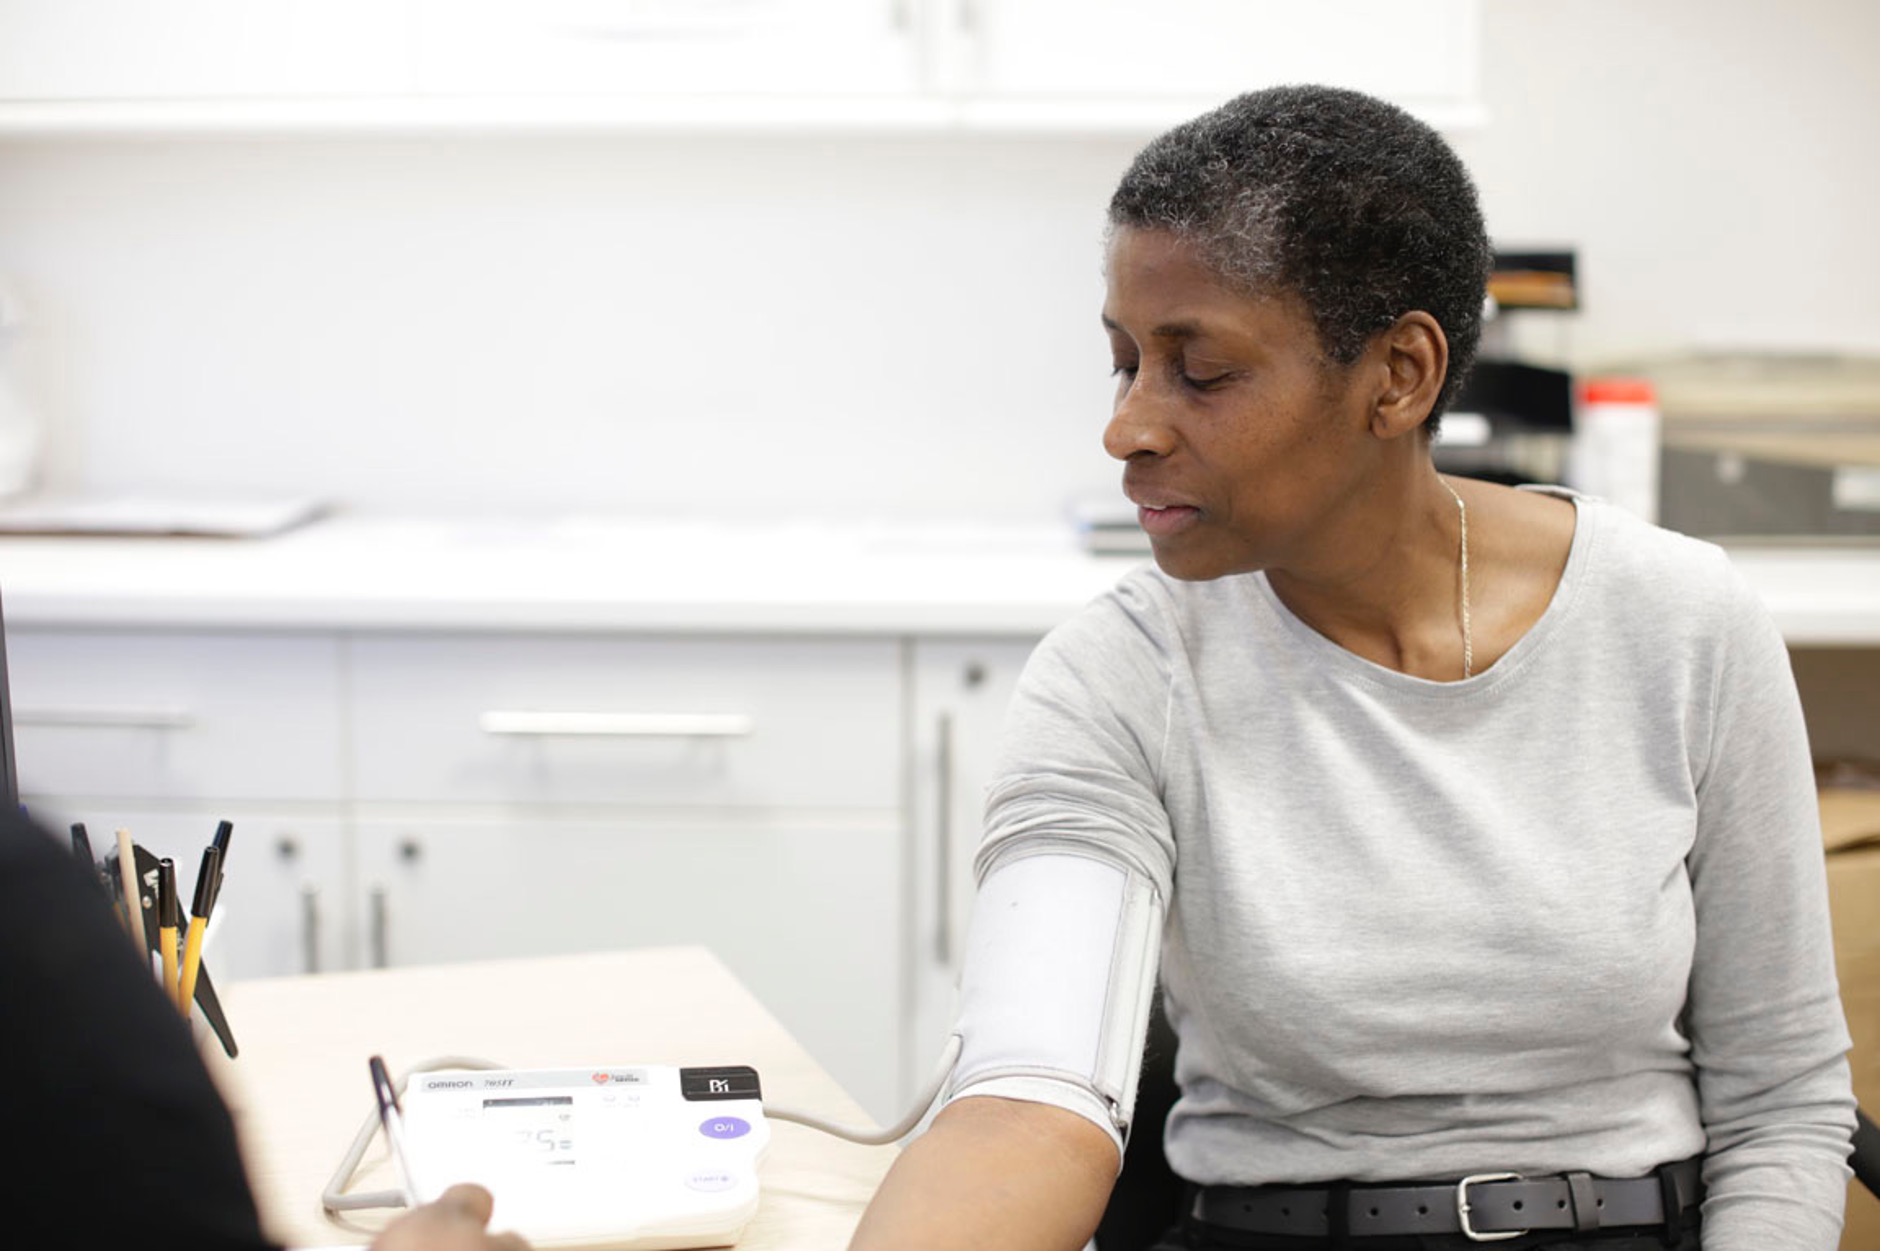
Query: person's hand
column 457, row 1220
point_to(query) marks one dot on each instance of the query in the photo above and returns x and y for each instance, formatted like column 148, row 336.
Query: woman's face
column 1241, row 439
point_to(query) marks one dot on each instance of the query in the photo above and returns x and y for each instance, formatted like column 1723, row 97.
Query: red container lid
column 1628, row 390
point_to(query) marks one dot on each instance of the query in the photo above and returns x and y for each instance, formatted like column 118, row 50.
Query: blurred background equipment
column 1513, row 420
column 1771, row 446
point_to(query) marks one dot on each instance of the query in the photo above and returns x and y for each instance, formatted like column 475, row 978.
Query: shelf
column 1820, row 596
column 913, row 115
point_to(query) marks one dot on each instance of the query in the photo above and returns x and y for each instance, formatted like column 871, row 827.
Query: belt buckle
column 1461, row 1207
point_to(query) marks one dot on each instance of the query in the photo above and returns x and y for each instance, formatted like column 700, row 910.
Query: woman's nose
column 1136, row 427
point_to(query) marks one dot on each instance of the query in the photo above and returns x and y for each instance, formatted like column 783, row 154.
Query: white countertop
column 565, row 574
column 596, row 574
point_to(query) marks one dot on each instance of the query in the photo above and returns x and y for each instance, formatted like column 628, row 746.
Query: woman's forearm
column 994, row 1174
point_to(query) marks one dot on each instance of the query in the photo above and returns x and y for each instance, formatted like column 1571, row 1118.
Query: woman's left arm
column 1764, row 1014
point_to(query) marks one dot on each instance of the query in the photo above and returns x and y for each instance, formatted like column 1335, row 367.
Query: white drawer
column 750, row 722
column 125, row 715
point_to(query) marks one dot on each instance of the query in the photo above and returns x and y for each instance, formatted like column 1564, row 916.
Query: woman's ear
column 1415, row 353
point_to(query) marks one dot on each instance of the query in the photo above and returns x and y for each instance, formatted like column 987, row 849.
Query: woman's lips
column 1166, row 521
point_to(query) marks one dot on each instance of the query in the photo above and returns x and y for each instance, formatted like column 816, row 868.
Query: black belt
column 1481, row 1207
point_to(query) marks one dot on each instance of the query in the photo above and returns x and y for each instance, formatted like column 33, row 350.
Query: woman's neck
column 1385, row 582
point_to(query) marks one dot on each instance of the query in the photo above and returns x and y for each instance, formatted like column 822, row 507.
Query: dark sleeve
column 128, row 1144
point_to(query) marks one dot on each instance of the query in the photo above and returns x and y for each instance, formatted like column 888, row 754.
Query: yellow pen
column 167, row 923
column 199, row 919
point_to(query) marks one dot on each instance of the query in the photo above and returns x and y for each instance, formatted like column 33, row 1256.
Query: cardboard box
column 1851, row 840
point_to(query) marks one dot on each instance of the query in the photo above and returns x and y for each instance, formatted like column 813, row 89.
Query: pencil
column 167, row 923
column 199, row 919
column 133, row 903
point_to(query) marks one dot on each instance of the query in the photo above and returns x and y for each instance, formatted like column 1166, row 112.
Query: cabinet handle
column 106, row 718
column 618, row 724
column 945, row 771
column 310, row 931
column 377, row 928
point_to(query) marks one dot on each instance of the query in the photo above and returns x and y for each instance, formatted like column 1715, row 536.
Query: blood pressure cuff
column 1057, row 985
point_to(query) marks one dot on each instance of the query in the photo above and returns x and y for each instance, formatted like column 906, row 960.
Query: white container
column 20, row 434
column 1615, row 444
column 19, row 443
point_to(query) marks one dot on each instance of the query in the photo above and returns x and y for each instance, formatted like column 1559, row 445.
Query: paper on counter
column 95, row 515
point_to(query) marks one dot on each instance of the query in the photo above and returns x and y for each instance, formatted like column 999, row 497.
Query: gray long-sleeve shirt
column 1569, row 914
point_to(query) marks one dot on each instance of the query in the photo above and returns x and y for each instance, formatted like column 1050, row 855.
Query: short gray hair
column 1348, row 202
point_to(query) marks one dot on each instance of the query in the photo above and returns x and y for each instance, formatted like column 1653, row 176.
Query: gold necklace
column 1467, row 625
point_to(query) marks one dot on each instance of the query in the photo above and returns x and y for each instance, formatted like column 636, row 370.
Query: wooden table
column 300, row 1088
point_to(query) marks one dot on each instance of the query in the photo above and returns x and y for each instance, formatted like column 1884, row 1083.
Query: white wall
column 713, row 325
column 1717, row 163
column 836, row 327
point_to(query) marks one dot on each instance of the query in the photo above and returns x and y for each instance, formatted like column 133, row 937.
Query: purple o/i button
column 725, row 1128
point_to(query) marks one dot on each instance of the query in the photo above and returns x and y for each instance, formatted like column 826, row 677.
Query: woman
column 1476, row 826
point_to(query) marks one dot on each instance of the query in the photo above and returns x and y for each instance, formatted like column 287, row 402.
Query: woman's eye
column 1204, row 382
column 1125, row 370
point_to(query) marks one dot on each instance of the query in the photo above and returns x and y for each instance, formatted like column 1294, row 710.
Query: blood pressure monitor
column 649, row 1157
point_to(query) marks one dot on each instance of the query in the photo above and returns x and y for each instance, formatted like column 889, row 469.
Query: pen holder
column 204, row 996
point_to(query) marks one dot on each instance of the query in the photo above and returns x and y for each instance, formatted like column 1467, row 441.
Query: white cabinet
column 959, row 693
column 807, row 807
column 524, row 794
column 166, row 734
column 758, row 722
column 924, row 65
column 80, row 51
column 110, row 714
column 680, row 47
column 1187, row 55
column 77, row 50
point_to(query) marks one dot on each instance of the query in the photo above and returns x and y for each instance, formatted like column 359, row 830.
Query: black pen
column 167, row 923
column 221, row 844
column 389, row 1102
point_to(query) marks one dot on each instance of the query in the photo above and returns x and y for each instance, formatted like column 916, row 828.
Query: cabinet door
column 118, row 49
column 284, row 900
column 107, row 714
column 961, row 688
column 755, row 723
column 680, row 47
column 803, row 911
column 1417, row 52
